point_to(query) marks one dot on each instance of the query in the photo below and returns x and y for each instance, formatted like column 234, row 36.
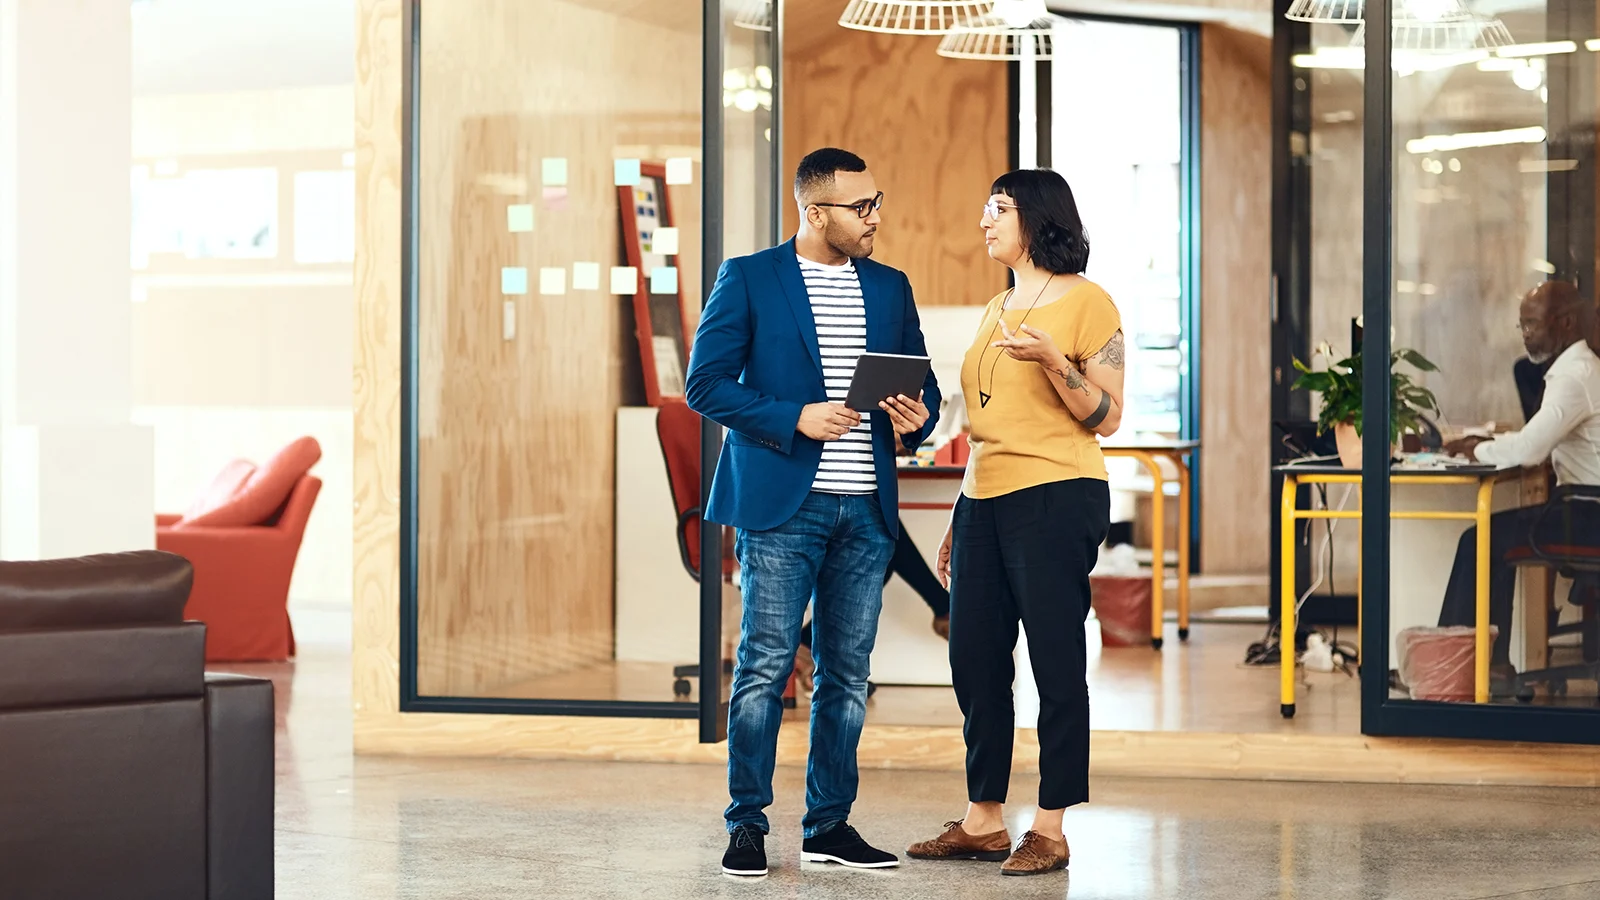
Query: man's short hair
column 814, row 176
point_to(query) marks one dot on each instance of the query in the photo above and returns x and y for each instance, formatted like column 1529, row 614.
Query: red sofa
column 243, row 536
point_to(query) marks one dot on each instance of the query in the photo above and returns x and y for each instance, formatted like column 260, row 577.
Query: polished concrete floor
column 485, row 829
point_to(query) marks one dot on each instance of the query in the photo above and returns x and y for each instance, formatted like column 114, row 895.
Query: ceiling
column 206, row 46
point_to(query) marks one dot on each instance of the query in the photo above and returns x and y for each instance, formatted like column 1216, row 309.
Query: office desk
column 1482, row 477
column 1149, row 453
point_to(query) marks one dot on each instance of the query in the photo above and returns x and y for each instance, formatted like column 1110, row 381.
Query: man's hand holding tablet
column 892, row 383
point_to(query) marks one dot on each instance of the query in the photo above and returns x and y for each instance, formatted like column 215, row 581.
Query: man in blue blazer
column 810, row 487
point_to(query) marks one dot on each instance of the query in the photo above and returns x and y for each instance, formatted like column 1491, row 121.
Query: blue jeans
column 836, row 547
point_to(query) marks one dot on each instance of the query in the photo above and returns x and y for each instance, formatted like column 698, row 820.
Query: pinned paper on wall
column 586, row 276
column 553, row 282
column 627, row 173
column 664, row 241
column 664, row 280
column 555, row 171
column 680, row 170
column 624, row 280
column 519, row 217
column 513, row 281
column 555, row 199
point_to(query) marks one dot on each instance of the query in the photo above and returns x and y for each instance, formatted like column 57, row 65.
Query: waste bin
column 1437, row 663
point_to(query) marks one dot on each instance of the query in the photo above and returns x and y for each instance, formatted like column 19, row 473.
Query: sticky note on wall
column 519, row 217
column 513, row 281
column 554, row 171
column 627, row 172
column 664, row 280
column 665, row 242
column 553, row 282
column 624, row 280
column 680, row 170
column 586, row 276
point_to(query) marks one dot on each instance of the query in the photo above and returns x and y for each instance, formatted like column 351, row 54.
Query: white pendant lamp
column 914, row 16
column 1016, row 30
column 755, row 15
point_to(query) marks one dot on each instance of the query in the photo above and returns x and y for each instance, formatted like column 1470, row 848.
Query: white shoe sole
column 744, row 873
column 826, row 858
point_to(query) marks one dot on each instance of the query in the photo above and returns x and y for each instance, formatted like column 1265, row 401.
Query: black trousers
column 1572, row 522
column 908, row 563
column 1025, row 556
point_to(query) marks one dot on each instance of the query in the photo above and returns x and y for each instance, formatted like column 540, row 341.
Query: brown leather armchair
column 125, row 770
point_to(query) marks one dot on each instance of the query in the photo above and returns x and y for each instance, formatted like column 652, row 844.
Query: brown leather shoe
column 1036, row 855
column 957, row 844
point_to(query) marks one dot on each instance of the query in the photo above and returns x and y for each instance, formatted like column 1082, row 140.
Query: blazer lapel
column 877, row 314
column 794, row 288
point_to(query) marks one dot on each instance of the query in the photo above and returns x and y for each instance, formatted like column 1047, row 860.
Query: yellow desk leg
column 1158, row 549
column 1286, row 618
column 1185, row 516
column 1480, row 689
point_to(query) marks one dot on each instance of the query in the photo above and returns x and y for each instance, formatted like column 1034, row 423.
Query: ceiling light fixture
column 914, row 16
column 755, row 15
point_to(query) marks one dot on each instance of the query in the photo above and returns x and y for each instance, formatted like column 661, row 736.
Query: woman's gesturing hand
column 1030, row 345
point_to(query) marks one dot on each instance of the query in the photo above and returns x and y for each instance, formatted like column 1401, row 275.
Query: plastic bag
column 1437, row 663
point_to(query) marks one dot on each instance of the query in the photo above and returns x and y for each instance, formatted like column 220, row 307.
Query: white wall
column 236, row 358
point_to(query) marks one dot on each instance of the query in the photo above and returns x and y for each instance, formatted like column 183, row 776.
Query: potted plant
column 1340, row 387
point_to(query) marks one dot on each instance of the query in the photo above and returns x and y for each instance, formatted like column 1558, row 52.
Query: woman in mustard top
column 1043, row 377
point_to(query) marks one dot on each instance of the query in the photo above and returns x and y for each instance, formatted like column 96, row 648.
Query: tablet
column 880, row 376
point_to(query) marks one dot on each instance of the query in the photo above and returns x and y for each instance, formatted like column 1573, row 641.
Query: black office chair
column 1529, row 377
column 1581, row 563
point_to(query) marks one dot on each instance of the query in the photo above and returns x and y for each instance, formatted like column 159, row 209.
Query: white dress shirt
column 1566, row 429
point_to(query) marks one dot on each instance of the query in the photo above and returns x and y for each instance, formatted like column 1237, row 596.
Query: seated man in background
column 1564, row 430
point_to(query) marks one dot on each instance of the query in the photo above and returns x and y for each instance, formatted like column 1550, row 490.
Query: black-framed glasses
column 863, row 208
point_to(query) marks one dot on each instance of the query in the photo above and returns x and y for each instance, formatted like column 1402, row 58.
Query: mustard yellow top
column 1023, row 435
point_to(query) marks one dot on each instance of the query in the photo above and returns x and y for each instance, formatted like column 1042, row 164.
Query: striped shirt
column 841, row 316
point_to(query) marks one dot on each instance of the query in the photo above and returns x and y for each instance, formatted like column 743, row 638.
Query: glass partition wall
column 1488, row 621
column 1428, row 176
column 576, row 169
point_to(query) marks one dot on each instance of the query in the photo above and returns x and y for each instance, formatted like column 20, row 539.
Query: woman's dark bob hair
column 1052, row 234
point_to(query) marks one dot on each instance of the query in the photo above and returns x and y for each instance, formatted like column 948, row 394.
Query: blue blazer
column 755, row 363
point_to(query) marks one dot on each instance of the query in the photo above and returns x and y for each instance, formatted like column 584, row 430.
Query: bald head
column 1553, row 317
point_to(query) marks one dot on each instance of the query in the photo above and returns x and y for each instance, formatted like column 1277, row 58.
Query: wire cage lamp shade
column 756, row 15
column 1016, row 30
column 914, row 16
column 1454, row 34
column 1328, row 12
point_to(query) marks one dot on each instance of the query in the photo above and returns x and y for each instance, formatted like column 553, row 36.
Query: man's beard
column 1539, row 359
column 841, row 242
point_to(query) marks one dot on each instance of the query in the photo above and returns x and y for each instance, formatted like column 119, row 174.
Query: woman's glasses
column 993, row 207
column 863, row 208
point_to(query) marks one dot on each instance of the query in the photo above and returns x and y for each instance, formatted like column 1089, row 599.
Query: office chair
column 678, row 428
column 1529, row 377
column 1580, row 563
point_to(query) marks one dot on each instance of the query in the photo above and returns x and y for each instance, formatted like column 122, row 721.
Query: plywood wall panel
column 933, row 131
column 1235, row 315
column 376, row 591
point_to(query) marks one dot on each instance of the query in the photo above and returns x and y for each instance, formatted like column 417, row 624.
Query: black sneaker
column 841, row 844
column 747, row 851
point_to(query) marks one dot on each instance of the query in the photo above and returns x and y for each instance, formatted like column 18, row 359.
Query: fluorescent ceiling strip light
column 1549, row 48
column 1444, row 143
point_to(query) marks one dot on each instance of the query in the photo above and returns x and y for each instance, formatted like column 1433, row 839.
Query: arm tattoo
column 1113, row 353
column 1073, row 378
column 1099, row 414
